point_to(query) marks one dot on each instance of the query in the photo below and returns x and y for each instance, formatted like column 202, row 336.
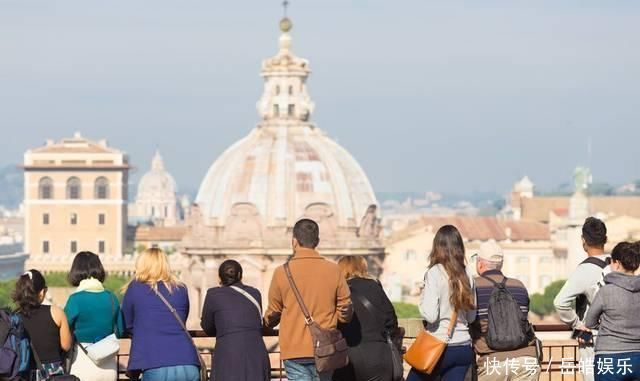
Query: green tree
column 542, row 304
column 6, row 288
column 406, row 310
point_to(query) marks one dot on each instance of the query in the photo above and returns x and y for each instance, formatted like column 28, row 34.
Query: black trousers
column 369, row 361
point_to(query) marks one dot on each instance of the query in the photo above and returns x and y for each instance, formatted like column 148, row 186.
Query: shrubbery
column 113, row 283
column 407, row 311
column 542, row 304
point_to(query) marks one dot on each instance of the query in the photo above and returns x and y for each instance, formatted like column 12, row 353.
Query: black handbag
column 394, row 339
column 42, row 374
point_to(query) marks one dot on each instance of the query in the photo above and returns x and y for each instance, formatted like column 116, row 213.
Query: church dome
column 287, row 168
column 157, row 184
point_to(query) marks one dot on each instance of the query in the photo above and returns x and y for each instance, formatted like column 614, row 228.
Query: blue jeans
column 172, row 373
column 617, row 367
column 304, row 370
column 452, row 366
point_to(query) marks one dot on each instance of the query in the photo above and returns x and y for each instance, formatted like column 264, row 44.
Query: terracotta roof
column 160, row 233
column 538, row 208
column 480, row 228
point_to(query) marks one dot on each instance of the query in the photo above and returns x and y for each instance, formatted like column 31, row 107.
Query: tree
column 542, row 304
column 6, row 288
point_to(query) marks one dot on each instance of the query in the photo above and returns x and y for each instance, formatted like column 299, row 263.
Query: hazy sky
column 427, row 95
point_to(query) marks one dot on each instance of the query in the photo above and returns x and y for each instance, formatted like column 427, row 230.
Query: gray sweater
column 580, row 282
column 616, row 308
column 437, row 311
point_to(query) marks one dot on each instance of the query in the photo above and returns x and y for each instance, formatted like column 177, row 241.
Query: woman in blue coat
column 233, row 314
column 160, row 348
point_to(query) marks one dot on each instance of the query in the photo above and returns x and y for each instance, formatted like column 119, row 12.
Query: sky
column 451, row 96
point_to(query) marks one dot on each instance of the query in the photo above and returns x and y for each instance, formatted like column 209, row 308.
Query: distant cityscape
column 75, row 193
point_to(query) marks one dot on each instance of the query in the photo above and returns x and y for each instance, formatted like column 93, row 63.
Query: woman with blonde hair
column 160, row 348
column 448, row 299
column 373, row 325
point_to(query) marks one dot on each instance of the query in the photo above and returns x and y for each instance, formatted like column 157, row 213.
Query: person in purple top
column 160, row 349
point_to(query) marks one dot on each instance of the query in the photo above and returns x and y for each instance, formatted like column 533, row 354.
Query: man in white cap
column 519, row 362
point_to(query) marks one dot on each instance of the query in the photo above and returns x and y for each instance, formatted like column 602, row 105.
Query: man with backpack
column 502, row 335
column 575, row 297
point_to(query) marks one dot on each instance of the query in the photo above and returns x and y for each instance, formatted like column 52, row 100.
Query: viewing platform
column 560, row 353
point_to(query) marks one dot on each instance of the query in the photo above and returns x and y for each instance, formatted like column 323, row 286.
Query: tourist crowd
column 335, row 320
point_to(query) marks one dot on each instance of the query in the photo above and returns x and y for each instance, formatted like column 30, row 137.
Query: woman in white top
column 448, row 287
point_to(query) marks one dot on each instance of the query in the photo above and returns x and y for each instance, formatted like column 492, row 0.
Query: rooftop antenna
column 285, row 5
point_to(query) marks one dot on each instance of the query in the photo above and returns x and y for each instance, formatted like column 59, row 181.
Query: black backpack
column 508, row 327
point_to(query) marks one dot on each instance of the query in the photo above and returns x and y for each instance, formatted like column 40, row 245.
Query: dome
column 283, row 170
column 157, row 183
column 286, row 165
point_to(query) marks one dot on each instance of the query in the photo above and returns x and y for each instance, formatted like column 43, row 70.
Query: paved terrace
column 560, row 352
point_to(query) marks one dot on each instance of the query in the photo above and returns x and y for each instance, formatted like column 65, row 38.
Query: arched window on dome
column 276, row 110
column 74, row 188
column 291, row 110
column 45, row 188
column 101, row 188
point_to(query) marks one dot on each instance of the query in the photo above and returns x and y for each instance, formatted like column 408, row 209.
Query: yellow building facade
column 75, row 199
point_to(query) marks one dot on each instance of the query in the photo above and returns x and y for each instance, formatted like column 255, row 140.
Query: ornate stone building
column 284, row 170
column 156, row 200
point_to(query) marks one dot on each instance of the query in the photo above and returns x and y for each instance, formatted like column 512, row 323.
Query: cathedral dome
column 157, row 183
column 285, row 169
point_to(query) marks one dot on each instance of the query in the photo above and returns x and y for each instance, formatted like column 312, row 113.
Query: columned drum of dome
column 284, row 170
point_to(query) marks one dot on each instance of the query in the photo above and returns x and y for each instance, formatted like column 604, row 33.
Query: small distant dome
column 285, row 25
column 157, row 184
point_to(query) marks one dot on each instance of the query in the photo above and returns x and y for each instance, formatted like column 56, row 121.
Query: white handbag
column 107, row 347
column 103, row 349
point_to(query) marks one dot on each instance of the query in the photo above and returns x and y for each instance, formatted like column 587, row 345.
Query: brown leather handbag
column 329, row 346
column 426, row 350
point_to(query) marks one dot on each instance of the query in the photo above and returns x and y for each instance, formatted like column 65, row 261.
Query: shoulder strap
column 113, row 316
column 307, row 316
column 452, row 325
column 36, row 357
column 595, row 261
column 496, row 284
column 250, row 298
column 373, row 310
column 176, row 316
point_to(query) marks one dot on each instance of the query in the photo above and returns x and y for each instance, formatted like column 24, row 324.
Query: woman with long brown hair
column 448, row 291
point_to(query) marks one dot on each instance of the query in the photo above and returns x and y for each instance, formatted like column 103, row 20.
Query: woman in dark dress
column 369, row 353
column 233, row 314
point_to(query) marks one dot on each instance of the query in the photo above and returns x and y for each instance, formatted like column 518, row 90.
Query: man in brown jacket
column 324, row 291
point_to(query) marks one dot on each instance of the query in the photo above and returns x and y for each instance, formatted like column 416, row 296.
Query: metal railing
column 552, row 366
